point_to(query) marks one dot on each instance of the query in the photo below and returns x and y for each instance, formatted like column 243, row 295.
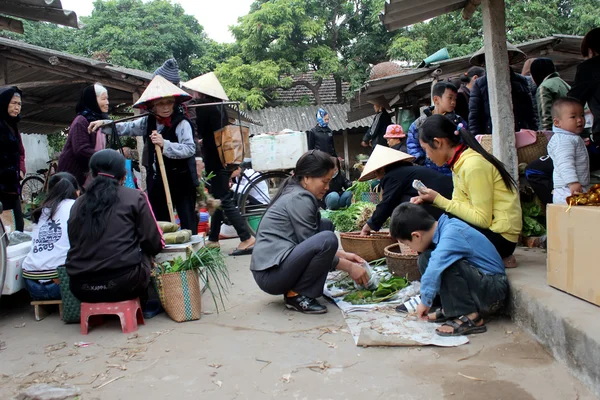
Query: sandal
column 468, row 327
column 439, row 317
column 242, row 252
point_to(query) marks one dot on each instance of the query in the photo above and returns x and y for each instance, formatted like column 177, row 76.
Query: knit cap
column 170, row 71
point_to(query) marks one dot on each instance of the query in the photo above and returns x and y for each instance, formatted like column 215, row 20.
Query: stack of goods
column 203, row 225
column 591, row 198
column 173, row 235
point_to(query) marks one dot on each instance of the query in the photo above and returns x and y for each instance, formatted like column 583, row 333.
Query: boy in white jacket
column 568, row 151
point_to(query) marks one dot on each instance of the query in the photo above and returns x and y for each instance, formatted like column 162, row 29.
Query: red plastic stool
column 129, row 312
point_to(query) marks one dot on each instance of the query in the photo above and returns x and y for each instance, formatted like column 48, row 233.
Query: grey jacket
column 292, row 219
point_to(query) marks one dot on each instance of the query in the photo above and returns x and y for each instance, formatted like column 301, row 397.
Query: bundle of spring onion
column 352, row 218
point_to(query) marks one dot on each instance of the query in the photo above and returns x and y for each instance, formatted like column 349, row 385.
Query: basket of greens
column 178, row 283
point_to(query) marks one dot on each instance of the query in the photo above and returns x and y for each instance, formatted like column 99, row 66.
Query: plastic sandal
column 468, row 327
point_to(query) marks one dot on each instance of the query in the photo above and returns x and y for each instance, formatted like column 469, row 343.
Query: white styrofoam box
column 277, row 152
column 13, row 281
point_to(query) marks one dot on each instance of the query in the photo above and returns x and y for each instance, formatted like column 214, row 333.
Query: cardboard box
column 277, row 152
column 573, row 251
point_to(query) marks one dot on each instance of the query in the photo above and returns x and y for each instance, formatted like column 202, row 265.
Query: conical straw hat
column 515, row 56
column 161, row 88
column 382, row 156
column 381, row 101
column 207, row 84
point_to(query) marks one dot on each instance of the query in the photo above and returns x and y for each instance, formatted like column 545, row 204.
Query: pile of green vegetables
column 385, row 291
column 358, row 188
column 210, row 264
column 352, row 218
column 533, row 219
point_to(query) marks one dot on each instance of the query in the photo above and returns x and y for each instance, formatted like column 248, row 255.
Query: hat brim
column 515, row 56
column 179, row 99
column 381, row 157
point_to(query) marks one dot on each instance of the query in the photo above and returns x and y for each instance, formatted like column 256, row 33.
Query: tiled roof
column 301, row 93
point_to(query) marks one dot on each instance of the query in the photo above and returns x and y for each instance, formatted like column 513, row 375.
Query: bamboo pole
column 163, row 173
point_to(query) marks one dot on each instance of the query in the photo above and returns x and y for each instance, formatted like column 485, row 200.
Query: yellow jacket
column 481, row 198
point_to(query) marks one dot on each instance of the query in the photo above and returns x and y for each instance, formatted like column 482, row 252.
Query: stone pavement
column 257, row 349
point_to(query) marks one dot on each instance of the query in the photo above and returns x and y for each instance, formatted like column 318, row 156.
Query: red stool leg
column 83, row 320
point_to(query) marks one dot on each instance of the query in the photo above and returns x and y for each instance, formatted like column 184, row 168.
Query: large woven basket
column 525, row 155
column 402, row 261
column 180, row 295
column 370, row 247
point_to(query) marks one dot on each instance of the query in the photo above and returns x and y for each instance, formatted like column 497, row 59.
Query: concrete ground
column 256, row 349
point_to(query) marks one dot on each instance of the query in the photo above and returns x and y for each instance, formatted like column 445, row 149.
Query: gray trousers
column 465, row 289
column 305, row 269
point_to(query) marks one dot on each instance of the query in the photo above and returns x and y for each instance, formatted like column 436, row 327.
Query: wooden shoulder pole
column 163, row 173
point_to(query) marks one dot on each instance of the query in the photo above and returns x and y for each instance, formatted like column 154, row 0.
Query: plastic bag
column 373, row 280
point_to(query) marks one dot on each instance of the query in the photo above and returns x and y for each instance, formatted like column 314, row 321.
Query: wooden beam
column 11, row 25
column 498, row 82
column 39, row 84
column 470, row 8
column 60, row 125
column 140, row 144
column 44, row 107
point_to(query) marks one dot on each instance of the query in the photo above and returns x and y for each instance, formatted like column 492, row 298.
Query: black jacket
column 480, row 118
column 397, row 189
column 339, row 183
column 320, row 138
column 587, row 88
column 401, row 146
column 377, row 130
column 208, row 120
column 462, row 102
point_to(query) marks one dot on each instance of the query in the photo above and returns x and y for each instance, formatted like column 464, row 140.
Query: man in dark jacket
column 480, row 118
column 587, row 80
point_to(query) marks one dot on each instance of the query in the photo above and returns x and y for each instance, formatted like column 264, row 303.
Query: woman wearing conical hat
column 396, row 172
column 168, row 127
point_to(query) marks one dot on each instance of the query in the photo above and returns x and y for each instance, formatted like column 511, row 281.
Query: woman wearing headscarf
column 12, row 153
column 382, row 120
column 81, row 145
column 321, row 137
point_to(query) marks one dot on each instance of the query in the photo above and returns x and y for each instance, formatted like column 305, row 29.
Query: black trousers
column 219, row 188
column 539, row 175
column 465, row 290
column 305, row 269
column 13, row 202
column 183, row 195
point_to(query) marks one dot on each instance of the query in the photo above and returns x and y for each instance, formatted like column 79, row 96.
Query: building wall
column 36, row 152
column 354, row 148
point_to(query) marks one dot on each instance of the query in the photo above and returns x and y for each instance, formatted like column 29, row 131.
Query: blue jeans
column 41, row 292
column 334, row 201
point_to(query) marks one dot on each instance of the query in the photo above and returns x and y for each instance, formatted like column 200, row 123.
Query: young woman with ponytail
column 113, row 236
column 295, row 249
column 485, row 194
column 50, row 242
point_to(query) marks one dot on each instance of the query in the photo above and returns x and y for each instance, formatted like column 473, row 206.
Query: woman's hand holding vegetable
column 356, row 271
column 157, row 139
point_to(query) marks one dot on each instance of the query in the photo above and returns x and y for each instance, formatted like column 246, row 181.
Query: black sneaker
column 305, row 304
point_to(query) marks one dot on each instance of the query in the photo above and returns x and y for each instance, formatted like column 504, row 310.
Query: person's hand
column 423, row 311
column 22, row 175
column 366, row 230
column 351, row 257
column 428, row 197
column 364, row 144
column 575, row 188
column 416, row 200
column 95, row 125
column 157, row 139
column 359, row 275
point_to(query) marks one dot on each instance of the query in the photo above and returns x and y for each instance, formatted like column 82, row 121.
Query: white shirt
column 259, row 192
column 50, row 242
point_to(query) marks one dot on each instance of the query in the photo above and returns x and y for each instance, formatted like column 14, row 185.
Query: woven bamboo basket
column 180, row 295
column 402, row 261
column 370, row 247
column 527, row 154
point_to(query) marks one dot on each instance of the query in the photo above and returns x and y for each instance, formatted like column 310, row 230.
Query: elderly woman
column 295, row 249
column 113, row 236
column 321, row 137
column 12, row 153
column 168, row 127
column 81, row 145
column 396, row 138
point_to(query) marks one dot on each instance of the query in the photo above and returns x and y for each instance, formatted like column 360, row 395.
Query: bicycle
column 34, row 185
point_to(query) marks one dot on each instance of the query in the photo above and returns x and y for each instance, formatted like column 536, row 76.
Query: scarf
column 457, row 153
column 321, row 113
column 6, row 95
column 88, row 106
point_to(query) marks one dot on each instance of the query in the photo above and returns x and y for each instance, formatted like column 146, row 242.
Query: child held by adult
column 444, row 100
column 568, row 151
column 458, row 263
column 485, row 194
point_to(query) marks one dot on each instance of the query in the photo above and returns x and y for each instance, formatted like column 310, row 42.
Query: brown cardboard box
column 574, row 250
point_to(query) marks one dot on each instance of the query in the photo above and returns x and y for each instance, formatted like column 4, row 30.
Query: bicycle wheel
column 31, row 188
column 257, row 195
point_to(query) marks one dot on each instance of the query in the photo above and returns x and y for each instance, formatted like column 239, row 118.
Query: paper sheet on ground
column 380, row 324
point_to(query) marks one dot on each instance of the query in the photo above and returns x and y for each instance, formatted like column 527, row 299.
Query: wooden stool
column 40, row 310
column 129, row 312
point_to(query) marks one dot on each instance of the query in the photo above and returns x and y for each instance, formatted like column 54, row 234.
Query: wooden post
column 140, row 145
column 3, row 71
column 163, row 173
column 498, row 77
column 346, row 154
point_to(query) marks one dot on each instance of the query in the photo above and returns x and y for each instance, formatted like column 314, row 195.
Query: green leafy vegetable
column 533, row 219
column 385, row 291
column 352, row 218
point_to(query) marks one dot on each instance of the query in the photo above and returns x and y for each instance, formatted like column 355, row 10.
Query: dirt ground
column 257, row 349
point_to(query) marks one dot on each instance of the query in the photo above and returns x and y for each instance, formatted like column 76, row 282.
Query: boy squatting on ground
column 568, row 151
column 458, row 263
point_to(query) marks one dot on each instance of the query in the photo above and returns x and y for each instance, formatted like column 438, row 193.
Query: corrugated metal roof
column 413, row 87
column 303, row 118
column 40, row 10
column 401, row 13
